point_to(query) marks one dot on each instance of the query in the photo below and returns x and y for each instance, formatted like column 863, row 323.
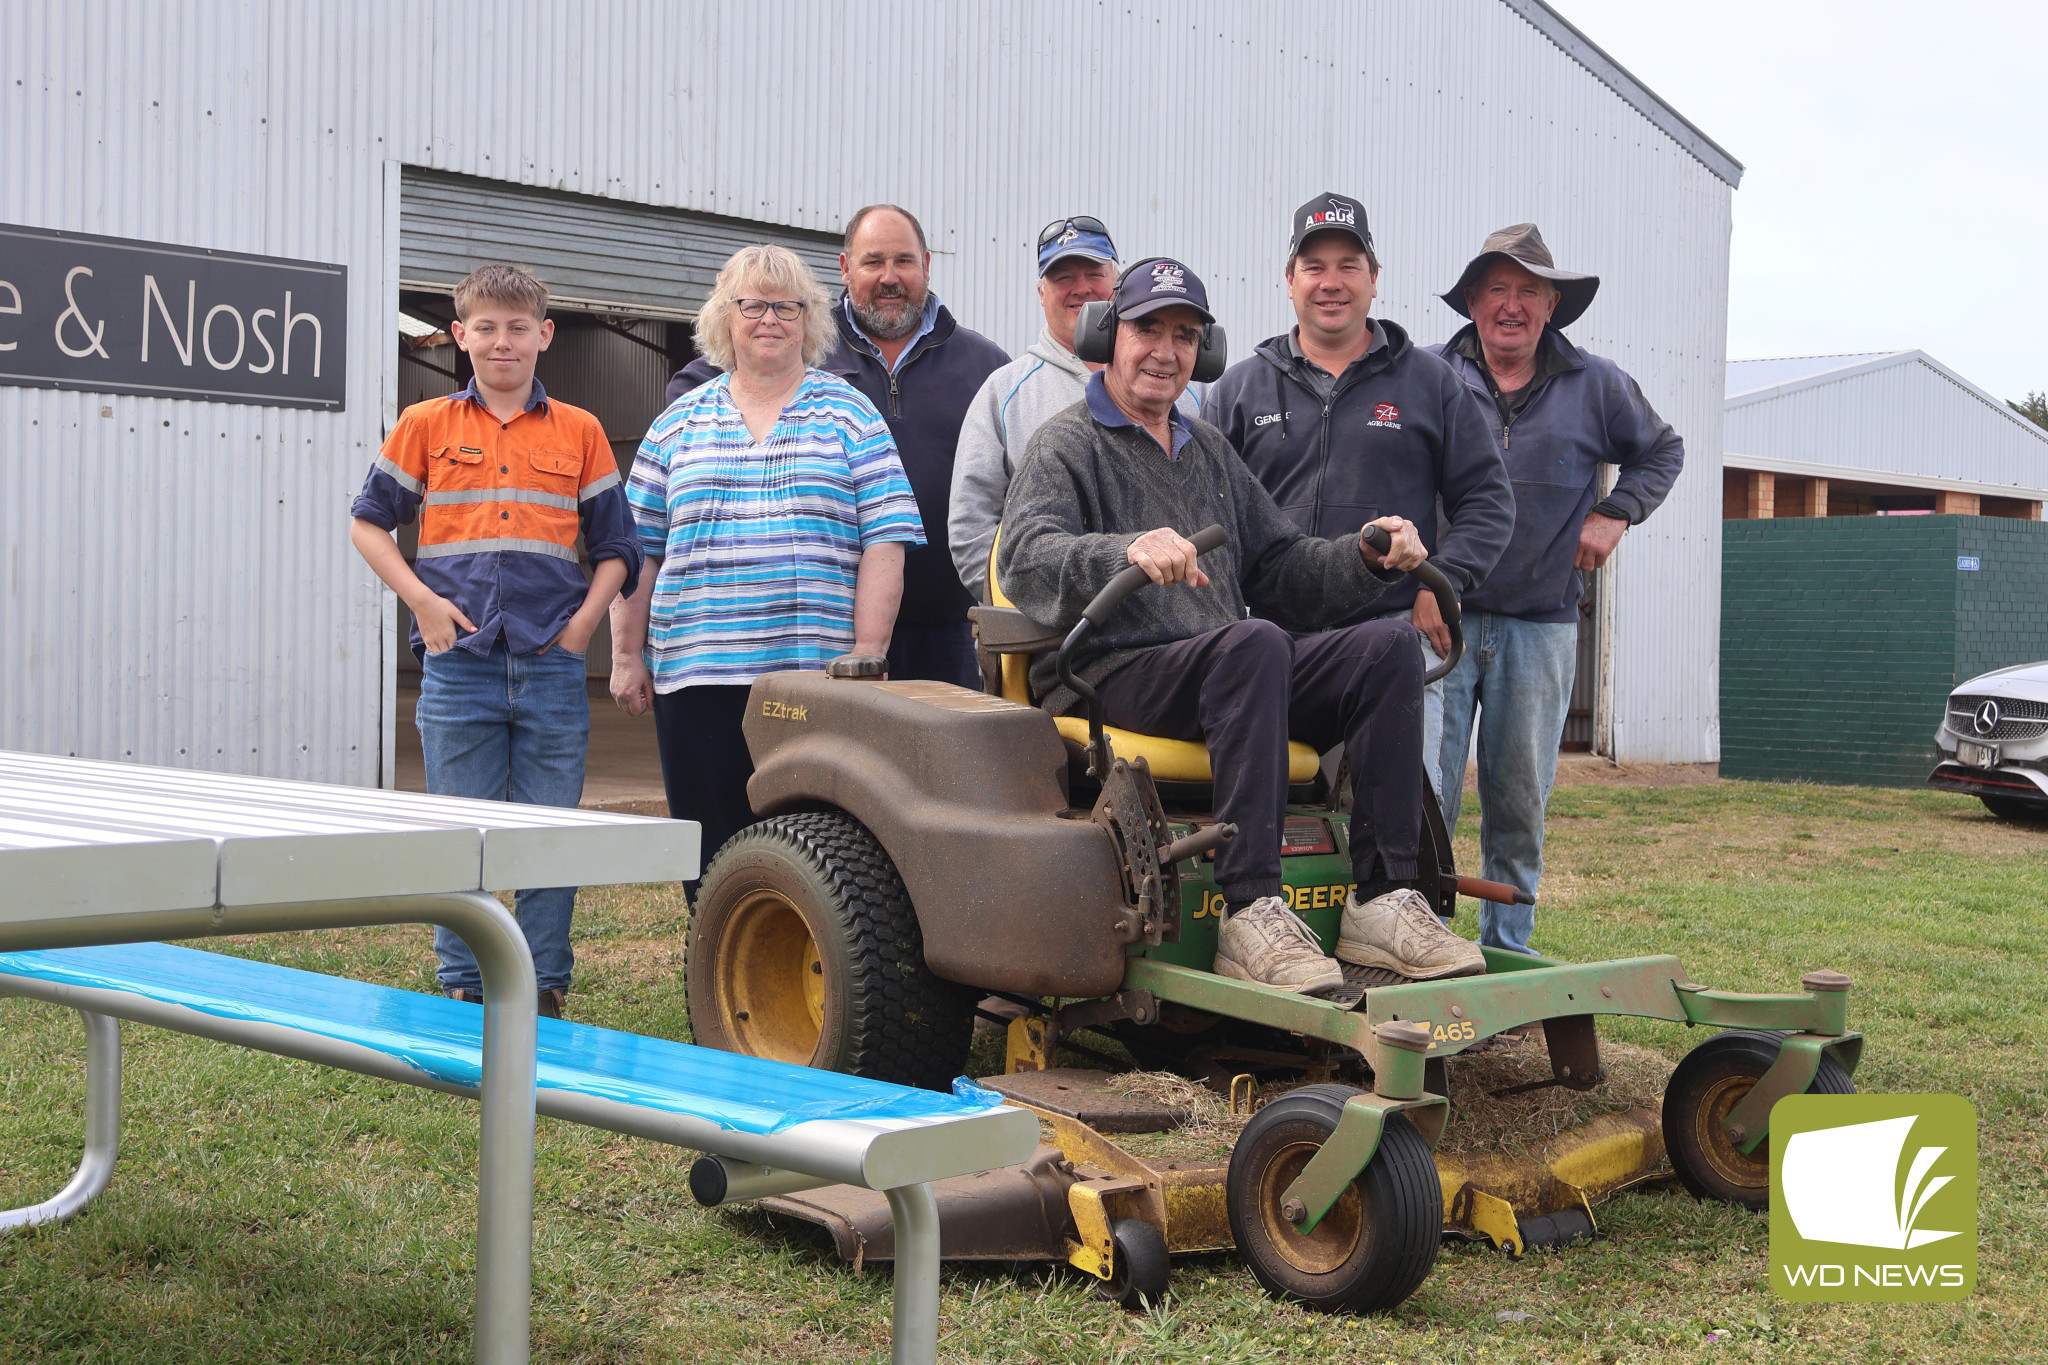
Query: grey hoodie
column 1013, row 403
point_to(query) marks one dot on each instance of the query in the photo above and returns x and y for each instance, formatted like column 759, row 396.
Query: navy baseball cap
column 1076, row 236
column 1160, row 282
column 1329, row 213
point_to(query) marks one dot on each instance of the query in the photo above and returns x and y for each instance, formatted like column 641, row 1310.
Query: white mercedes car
column 1994, row 742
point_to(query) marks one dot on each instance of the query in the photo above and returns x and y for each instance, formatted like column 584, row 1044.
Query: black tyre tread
column 1143, row 1266
column 1406, row 1193
column 1418, row 1196
column 908, row 1025
column 1831, row 1078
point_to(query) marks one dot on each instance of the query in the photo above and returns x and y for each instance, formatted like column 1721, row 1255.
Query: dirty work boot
column 1270, row 944
column 1400, row 931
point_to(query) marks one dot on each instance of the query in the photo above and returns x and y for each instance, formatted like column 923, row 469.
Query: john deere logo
column 1873, row 1198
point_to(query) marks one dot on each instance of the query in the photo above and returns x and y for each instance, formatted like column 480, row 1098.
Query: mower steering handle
column 1130, row 580
column 1113, row 593
column 1432, row 578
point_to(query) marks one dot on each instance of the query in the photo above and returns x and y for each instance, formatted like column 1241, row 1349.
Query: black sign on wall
column 109, row 315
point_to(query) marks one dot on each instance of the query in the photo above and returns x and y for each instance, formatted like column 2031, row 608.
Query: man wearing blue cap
column 1076, row 265
column 1124, row 478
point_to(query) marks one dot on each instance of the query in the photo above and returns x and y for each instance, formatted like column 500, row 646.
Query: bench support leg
column 915, row 1323
column 102, row 1130
column 504, row 1194
column 504, row 1224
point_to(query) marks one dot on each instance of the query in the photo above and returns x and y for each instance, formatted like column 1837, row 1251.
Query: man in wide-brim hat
column 1559, row 413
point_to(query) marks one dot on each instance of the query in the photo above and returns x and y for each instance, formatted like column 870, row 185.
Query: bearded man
column 901, row 347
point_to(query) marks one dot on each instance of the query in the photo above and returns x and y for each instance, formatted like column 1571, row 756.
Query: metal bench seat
column 791, row 1126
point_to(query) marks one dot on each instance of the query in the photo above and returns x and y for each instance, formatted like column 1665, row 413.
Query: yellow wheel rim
column 771, row 983
column 1336, row 1236
column 1744, row 1170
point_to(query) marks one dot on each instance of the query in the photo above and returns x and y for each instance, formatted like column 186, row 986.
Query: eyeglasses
column 789, row 310
column 1084, row 223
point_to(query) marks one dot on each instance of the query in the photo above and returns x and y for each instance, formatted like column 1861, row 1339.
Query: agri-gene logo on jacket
column 1873, row 1198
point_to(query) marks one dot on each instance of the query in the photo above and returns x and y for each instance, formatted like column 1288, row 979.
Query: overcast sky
column 1895, row 191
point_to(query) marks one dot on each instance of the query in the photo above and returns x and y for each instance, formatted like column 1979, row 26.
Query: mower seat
column 1171, row 760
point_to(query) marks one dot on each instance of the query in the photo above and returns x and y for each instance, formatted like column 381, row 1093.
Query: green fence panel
column 1842, row 636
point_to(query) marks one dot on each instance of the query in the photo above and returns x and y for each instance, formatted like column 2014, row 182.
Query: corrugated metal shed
column 179, row 586
column 1883, row 413
column 607, row 258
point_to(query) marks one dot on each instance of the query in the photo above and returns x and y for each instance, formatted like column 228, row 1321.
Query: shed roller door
column 598, row 255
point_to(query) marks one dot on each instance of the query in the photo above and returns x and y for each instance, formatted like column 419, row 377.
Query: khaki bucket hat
column 1523, row 245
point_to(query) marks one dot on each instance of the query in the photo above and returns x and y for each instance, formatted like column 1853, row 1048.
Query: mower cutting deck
column 927, row 847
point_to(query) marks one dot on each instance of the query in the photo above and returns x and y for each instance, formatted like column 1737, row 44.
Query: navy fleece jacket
column 1584, row 415
column 1400, row 432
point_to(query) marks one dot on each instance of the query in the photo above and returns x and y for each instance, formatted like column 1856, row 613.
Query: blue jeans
column 508, row 727
column 1518, row 676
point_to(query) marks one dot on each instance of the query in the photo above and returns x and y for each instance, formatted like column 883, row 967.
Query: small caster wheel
column 1702, row 1092
column 1376, row 1245
column 1138, row 1270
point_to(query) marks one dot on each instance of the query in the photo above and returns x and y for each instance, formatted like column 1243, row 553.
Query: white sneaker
column 1270, row 944
column 1401, row 932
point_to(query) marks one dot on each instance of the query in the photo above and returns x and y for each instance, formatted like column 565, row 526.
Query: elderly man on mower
column 1123, row 478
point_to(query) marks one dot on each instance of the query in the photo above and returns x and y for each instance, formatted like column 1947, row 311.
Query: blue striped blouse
column 760, row 545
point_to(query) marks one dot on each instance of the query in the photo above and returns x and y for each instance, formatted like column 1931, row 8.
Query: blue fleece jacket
column 1398, row 434
column 1587, row 412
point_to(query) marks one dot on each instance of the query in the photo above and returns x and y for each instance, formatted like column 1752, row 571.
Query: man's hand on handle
column 1597, row 539
column 1404, row 554
column 1167, row 556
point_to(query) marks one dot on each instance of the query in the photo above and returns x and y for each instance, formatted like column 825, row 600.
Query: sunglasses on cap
column 1060, row 225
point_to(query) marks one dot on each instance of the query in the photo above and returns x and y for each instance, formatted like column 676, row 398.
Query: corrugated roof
column 1616, row 77
column 1747, row 376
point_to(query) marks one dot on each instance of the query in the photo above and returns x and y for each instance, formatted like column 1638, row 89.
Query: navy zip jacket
column 924, row 403
column 1400, row 432
column 1585, row 414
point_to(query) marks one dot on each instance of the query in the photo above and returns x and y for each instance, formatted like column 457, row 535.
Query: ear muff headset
column 1095, row 335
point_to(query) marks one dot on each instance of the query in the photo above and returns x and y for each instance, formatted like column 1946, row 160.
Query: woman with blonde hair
column 773, row 513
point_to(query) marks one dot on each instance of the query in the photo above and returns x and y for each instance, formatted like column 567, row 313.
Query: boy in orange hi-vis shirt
column 503, row 479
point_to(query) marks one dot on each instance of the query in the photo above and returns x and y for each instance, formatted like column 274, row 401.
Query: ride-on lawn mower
column 927, row 847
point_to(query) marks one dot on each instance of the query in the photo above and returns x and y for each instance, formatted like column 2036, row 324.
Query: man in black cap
column 1123, row 478
column 1344, row 419
column 1559, row 413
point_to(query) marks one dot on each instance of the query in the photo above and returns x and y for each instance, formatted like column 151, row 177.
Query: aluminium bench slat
column 859, row 1129
column 278, row 841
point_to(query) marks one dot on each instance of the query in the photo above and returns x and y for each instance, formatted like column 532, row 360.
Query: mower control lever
column 1196, row 844
column 1094, row 614
column 1431, row 577
column 1133, row 578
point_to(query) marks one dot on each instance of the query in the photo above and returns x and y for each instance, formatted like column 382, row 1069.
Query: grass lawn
column 270, row 1210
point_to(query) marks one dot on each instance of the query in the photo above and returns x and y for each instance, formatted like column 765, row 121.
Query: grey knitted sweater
column 1085, row 490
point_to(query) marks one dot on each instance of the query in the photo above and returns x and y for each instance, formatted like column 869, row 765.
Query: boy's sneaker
column 1401, row 932
column 1270, row 944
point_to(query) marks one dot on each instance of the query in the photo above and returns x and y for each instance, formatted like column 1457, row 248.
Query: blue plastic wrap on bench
column 443, row 1039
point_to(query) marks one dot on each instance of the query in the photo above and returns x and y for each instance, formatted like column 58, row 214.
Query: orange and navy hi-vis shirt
column 500, row 506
